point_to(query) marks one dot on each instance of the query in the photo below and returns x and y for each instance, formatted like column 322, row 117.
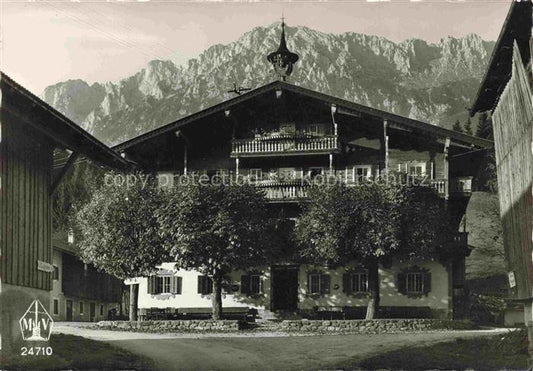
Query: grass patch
column 498, row 352
column 75, row 352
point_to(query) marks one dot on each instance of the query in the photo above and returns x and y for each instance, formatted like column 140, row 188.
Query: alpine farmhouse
column 279, row 136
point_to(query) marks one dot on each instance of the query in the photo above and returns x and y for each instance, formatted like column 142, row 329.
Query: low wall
column 373, row 326
column 173, row 326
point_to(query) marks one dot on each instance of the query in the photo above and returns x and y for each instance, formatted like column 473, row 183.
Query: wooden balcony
column 456, row 186
column 284, row 146
column 284, row 191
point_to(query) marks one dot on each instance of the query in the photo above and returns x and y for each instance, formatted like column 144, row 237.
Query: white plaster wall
column 336, row 297
column 190, row 298
column 438, row 298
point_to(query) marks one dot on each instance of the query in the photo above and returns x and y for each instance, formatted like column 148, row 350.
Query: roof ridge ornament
column 283, row 59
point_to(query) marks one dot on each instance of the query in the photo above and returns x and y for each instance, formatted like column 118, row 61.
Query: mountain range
column 432, row 82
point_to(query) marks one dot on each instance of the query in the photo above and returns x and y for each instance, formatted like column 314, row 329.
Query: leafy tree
column 119, row 231
column 373, row 223
column 468, row 127
column 425, row 227
column 73, row 192
column 215, row 229
column 486, row 178
column 457, row 126
column 340, row 224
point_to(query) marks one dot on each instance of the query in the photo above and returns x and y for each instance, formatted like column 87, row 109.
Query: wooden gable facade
column 31, row 132
column 506, row 92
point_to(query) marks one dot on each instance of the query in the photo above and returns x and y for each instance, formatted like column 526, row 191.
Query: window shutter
column 261, row 284
column 401, row 283
column 179, row 284
column 151, row 284
column 347, row 283
column 325, row 284
column 427, row 283
column 309, row 283
column 209, row 285
column 245, row 284
column 200, row 281
column 173, row 285
column 226, row 285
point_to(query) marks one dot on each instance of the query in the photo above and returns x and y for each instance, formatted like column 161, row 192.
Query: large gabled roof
column 55, row 126
column 516, row 27
column 350, row 106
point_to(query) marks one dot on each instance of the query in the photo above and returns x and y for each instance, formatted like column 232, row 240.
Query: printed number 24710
column 36, row 351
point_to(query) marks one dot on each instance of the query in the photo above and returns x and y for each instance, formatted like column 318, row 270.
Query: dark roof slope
column 400, row 120
column 517, row 26
column 62, row 131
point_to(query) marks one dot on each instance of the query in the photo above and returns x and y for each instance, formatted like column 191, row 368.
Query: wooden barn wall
column 512, row 120
column 25, row 164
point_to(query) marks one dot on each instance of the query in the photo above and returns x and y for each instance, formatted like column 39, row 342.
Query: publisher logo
column 36, row 324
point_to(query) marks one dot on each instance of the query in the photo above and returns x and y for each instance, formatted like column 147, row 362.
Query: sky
column 45, row 42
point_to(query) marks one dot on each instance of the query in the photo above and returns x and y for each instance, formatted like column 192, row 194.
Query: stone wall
column 173, row 326
column 373, row 326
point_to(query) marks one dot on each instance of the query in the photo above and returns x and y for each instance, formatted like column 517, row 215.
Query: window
column 55, row 274
column 255, row 174
column 101, row 309
column 354, row 282
column 362, row 173
column 287, row 127
column 205, row 285
column 222, row 173
column 315, row 129
column 287, row 173
column 251, row 284
column 315, row 171
column 414, row 283
column 318, row 283
column 56, row 307
column 417, row 169
column 81, row 308
column 164, row 285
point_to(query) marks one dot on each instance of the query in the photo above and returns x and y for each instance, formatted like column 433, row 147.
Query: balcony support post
column 185, row 159
column 386, row 146
column 446, row 170
column 333, row 111
column 236, row 166
column 330, row 162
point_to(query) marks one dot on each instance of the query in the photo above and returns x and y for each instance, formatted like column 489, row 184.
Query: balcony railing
column 297, row 189
column 295, row 145
column 462, row 185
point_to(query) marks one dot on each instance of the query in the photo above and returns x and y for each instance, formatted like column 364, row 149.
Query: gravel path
column 262, row 351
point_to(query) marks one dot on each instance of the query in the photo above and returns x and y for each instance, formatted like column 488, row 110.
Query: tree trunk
column 373, row 288
column 134, row 292
column 216, row 297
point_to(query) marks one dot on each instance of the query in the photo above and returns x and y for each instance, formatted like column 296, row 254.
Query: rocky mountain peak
column 430, row 82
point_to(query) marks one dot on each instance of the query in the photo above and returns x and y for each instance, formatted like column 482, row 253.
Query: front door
column 92, row 311
column 69, row 310
column 285, row 288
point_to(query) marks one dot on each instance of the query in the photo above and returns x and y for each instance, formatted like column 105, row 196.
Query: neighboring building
column 281, row 135
column 33, row 135
column 506, row 92
column 79, row 291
